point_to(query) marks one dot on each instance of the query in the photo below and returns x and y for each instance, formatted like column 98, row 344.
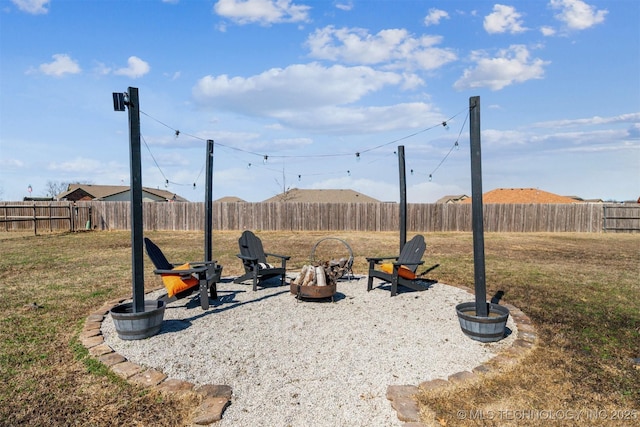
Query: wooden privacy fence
column 297, row 216
column 50, row 216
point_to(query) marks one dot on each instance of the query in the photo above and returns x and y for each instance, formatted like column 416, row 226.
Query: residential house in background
column 452, row 199
column 523, row 196
column 321, row 196
column 115, row 193
column 230, row 199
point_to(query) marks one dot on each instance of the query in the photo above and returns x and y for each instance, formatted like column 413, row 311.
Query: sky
column 316, row 94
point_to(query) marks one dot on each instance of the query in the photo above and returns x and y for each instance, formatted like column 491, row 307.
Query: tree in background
column 53, row 188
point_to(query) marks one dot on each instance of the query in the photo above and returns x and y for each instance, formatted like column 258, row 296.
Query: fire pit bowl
column 313, row 291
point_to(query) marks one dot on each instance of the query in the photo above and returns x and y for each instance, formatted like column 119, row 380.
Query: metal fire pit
column 314, row 292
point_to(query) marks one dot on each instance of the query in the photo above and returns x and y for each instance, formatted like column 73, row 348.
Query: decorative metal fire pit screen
column 318, row 279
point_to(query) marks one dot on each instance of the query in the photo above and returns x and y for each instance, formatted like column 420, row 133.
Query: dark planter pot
column 485, row 329
column 137, row 326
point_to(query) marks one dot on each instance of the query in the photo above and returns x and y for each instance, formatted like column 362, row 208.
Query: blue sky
column 291, row 91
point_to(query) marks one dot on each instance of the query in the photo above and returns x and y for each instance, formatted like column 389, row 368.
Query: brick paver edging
column 402, row 397
column 215, row 398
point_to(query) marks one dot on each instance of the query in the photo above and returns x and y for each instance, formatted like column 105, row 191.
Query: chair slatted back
column 251, row 245
column 156, row 255
column 412, row 252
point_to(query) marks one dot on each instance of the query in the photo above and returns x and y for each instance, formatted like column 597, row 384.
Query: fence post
column 35, row 221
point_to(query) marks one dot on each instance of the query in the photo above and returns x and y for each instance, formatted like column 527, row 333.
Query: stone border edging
column 402, row 396
column 215, row 398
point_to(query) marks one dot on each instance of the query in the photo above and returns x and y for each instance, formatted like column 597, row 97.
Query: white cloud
column 264, row 12
column 357, row 46
column 634, row 131
column 79, row 164
column 291, row 97
column 136, row 68
column 578, row 15
column 512, row 65
column 435, row 16
column 346, row 6
column 294, row 88
column 504, row 19
column 591, row 121
column 547, row 31
column 9, row 164
column 36, row 7
column 502, row 138
column 353, row 120
column 62, row 64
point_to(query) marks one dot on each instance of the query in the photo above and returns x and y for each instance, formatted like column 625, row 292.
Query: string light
column 455, row 146
column 265, row 157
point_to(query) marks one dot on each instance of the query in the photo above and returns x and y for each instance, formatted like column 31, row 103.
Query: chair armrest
column 203, row 263
column 378, row 259
column 407, row 263
column 184, row 272
column 278, row 256
column 247, row 258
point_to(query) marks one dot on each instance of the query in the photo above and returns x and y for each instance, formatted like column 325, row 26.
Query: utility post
column 403, row 197
column 137, row 232
column 208, row 203
column 476, row 208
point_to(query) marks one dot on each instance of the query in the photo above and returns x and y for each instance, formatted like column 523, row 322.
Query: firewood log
column 320, row 276
column 300, row 277
column 309, row 277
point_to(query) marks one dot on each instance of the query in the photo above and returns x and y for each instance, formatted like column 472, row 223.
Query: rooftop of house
column 229, row 199
column 522, row 195
column 452, row 199
column 322, row 196
column 99, row 192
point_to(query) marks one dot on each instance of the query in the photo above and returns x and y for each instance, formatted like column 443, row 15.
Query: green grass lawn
column 581, row 291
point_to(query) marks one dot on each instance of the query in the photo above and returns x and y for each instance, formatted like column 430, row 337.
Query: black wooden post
column 476, row 208
column 208, row 203
column 403, row 198
column 137, row 261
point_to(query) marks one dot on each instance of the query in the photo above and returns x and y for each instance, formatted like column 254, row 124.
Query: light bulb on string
column 445, row 125
column 457, row 146
column 166, row 183
column 299, row 177
column 430, row 177
column 177, row 133
column 265, row 159
column 349, row 173
column 248, row 165
column 411, row 171
column 194, row 185
column 357, row 157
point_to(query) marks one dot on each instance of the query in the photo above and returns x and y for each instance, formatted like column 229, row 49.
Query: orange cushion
column 403, row 271
column 174, row 283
